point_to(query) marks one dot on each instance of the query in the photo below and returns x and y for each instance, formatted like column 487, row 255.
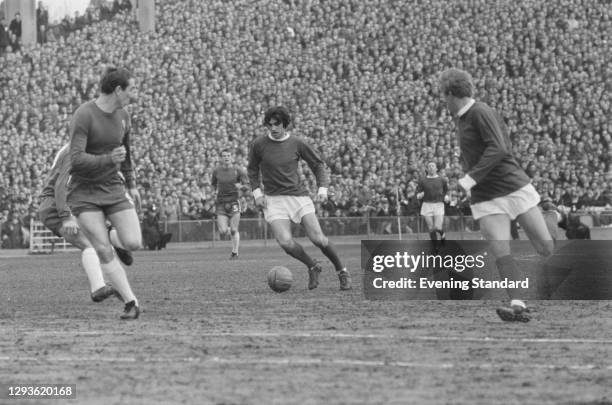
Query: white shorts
column 513, row 204
column 287, row 207
column 429, row 209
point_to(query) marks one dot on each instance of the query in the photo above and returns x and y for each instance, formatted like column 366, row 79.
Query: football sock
column 508, row 269
column 91, row 265
column 297, row 251
column 331, row 254
column 518, row 303
column 116, row 274
column 433, row 235
column 235, row 241
column 114, row 238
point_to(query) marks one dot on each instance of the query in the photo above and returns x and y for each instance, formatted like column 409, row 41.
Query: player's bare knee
column 286, row 244
column 233, row 231
column 132, row 243
column 105, row 253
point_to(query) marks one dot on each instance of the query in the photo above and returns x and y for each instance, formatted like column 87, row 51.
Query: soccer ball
column 280, row 278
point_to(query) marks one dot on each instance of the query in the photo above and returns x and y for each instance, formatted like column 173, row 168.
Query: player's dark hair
column 279, row 113
column 226, row 150
column 114, row 77
column 456, row 82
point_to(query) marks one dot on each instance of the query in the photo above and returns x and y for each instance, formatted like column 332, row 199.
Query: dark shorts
column 106, row 197
column 47, row 212
column 228, row 209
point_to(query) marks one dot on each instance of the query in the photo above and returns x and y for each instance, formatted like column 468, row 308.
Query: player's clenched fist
column 118, row 154
column 70, row 226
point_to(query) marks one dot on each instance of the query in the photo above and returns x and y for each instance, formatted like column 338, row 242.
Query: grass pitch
column 212, row 332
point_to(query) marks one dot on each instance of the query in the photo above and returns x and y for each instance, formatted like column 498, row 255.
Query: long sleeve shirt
column 275, row 164
column 433, row 188
column 93, row 136
column 57, row 182
column 486, row 154
column 225, row 180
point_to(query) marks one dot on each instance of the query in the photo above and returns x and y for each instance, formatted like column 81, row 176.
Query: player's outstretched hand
column 322, row 198
column 420, row 195
column 322, row 195
column 260, row 202
column 118, row 154
column 70, row 226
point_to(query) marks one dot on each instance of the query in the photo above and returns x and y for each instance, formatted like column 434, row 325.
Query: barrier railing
column 463, row 227
column 365, row 227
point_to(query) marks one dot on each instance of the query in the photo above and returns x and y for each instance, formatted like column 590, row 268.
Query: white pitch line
column 318, row 335
column 299, row 361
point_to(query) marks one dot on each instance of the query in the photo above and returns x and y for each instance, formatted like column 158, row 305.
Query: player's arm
column 69, row 223
column 127, row 167
column 492, row 135
column 445, row 190
column 253, row 173
column 318, row 167
column 214, row 181
column 61, row 193
column 420, row 190
column 82, row 162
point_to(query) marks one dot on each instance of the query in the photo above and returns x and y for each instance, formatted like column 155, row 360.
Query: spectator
column 574, row 228
column 42, row 23
column 15, row 32
column 364, row 98
column 153, row 236
column 125, row 5
column 12, row 233
column 5, row 39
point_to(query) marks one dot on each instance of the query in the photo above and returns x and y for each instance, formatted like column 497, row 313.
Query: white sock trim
column 116, row 275
column 518, row 303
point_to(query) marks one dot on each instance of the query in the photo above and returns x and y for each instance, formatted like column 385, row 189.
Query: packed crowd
column 359, row 78
column 97, row 11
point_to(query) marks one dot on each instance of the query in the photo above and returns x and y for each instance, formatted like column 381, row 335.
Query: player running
column 276, row 156
column 55, row 215
column 228, row 179
column 432, row 190
column 102, row 184
column 500, row 189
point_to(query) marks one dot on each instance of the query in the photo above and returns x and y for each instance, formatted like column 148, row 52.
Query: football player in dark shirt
column 273, row 162
column 102, row 183
column 227, row 179
column 55, row 215
column 432, row 190
column 500, row 189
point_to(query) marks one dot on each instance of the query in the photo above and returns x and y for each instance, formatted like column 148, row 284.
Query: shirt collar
column 284, row 138
column 466, row 107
